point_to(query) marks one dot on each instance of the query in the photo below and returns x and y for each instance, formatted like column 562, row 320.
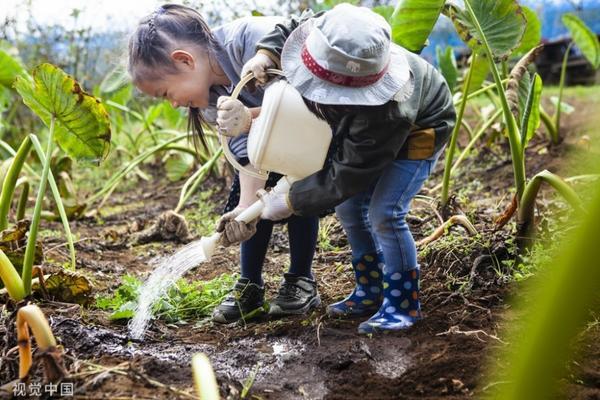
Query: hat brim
column 395, row 84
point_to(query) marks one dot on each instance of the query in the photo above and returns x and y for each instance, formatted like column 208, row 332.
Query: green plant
column 31, row 317
column 496, row 29
column 79, row 122
column 182, row 301
column 412, row 22
column 551, row 323
column 324, row 235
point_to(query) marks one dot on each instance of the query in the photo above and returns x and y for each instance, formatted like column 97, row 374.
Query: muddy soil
column 465, row 293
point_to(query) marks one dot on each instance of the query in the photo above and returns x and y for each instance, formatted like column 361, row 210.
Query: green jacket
column 370, row 141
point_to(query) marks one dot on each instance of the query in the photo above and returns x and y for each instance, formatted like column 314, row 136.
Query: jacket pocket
column 420, row 144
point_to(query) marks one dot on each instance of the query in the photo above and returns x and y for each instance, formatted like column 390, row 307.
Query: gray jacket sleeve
column 368, row 143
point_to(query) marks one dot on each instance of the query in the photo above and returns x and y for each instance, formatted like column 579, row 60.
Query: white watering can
column 285, row 138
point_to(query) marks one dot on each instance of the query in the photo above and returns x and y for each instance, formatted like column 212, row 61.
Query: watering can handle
column 228, row 155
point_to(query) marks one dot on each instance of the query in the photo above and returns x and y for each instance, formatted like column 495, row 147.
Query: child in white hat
column 391, row 114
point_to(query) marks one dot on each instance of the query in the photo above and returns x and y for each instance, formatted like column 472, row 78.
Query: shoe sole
column 277, row 311
column 220, row 318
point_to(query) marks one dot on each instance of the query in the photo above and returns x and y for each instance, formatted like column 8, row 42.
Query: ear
column 183, row 58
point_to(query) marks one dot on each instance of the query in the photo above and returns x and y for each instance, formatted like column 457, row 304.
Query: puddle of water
column 169, row 271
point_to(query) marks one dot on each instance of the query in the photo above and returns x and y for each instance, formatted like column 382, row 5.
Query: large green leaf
column 385, row 11
column 584, row 38
column 533, row 31
column 502, row 22
column 447, row 64
column 413, row 21
column 10, row 68
column 523, row 92
column 82, row 123
column 530, row 120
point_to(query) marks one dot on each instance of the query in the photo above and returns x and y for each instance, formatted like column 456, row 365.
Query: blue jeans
column 374, row 220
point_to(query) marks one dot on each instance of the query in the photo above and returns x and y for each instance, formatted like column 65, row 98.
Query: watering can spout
column 209, row 244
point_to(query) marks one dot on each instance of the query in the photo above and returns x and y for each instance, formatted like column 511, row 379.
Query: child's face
column 189, row 86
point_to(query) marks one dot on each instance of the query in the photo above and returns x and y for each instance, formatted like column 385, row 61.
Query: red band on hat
column 337, row 78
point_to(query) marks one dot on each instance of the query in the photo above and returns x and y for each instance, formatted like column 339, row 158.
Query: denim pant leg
column 353, row 215
column 390, row 203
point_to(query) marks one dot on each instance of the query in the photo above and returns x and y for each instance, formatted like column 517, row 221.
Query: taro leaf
column 10, row 68
column 584, row 38
column 385, row 11
column 69, row 287
column 413, row 21
column 523, row 93
column 178, row 164
column 501, row 21
column 530, row 120
column 481, row 69
column 447, row 64
column 15, row 234
column 533, row 31
column 82, row 124
column 13, row 241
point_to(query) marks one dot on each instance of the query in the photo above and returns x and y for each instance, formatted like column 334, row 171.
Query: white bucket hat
column 345, row 56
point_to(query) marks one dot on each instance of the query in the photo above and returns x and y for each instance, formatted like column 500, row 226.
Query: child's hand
column 258, row 65
column 232, row 231
column 277, row 205
column 233, row 118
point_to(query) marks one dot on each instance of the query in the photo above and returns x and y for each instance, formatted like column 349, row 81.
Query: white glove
column 277, row 202
column 258, row 65
column 233, row 118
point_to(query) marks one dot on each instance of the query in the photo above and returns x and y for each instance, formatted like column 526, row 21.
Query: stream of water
column 168, row 272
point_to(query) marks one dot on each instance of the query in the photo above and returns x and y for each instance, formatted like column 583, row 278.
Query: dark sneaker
column 246, row 301
column 297, row 295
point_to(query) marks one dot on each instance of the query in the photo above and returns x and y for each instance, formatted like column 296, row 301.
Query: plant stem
column 57, row 200
column 513, row 131
column 127, row 168
column 552, row 132
column 452, row 146
column 8, row 186
column 35, row 221
column 476, row 137
column 31, row 317
column 204, row 378
column 526, row 210
column 196, row 178
column 11, row 279
column 563, row 72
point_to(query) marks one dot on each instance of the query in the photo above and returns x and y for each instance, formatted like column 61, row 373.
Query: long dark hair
column 151, row 44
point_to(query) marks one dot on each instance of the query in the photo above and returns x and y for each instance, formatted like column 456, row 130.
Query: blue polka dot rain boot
column 400, row 308
column 367, row 295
